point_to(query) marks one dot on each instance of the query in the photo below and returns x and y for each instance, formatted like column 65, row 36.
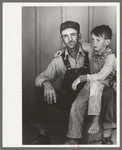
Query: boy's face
column 99, row 43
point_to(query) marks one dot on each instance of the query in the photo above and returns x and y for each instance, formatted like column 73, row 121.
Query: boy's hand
column 75, row 83
column 83, row 78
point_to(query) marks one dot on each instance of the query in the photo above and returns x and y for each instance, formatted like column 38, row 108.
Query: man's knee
column 38, row 95
column 38, row 91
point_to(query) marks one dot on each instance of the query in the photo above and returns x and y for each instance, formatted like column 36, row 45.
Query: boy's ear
column 108, row 41
column 80, row 36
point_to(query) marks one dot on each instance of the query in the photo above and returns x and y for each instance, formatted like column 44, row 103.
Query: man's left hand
column 87, row 47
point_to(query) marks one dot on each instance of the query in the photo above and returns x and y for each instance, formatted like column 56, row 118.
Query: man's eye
column 73, row 34
column 98, row 40
column 64, row 36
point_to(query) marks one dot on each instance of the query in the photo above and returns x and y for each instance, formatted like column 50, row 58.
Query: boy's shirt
column 101, row 66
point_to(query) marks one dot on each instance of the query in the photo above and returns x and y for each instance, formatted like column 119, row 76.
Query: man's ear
column 61, row 39
column 79, row 36
column 108, row 42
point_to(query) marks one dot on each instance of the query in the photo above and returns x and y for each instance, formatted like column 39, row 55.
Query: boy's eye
column 98, row 40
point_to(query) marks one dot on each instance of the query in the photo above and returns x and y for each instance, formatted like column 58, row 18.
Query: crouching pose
column 69, row 63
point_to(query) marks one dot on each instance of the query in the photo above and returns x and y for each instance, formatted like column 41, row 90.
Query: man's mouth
column 71, row 43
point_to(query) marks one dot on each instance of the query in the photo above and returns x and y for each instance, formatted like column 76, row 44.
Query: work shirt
column 109, row 67
column 57, row 68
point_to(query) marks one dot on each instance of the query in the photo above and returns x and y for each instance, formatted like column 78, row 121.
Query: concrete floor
column 57, row 134
column 58, row 127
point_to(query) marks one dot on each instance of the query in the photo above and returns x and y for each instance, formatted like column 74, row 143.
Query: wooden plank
column 90, row 21
column 37, row 50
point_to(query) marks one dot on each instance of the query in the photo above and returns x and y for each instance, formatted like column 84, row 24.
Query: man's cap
column 70, row 24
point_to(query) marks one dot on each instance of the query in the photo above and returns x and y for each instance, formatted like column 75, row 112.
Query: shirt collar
column 79, row 52
column 102, row 53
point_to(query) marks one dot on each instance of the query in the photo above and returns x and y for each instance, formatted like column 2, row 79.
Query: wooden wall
column 41, row 38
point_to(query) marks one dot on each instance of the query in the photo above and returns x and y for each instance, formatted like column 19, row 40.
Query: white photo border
column 12, row 85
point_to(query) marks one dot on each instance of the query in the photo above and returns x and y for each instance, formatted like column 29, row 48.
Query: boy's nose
column 94, row 42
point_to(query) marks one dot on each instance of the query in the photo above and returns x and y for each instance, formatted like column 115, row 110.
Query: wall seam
column 90, row 21
column 37, row 51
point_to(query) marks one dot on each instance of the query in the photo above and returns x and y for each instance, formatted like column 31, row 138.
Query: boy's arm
column 109, row 66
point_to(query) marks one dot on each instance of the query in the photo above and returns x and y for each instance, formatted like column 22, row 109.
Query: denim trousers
column 79, row 107
column 68, row 103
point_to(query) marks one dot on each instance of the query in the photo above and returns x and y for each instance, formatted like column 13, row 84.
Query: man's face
column 70, row 37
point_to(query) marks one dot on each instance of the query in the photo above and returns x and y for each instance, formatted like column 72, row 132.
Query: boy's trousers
column 96, row 91
column 79, row 106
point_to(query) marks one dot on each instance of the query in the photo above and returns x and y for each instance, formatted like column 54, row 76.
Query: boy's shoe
column 42, row 139
column 107, row 140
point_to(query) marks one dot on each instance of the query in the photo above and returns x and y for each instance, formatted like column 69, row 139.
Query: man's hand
column 75, row 83
column 87, row 47
column 49, row 92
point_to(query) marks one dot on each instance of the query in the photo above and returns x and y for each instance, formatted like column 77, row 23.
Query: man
column 68, row 63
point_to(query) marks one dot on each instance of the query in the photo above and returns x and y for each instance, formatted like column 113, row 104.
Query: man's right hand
column 49, row 92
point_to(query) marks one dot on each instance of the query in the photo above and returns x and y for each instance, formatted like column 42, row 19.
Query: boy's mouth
column 95, row 47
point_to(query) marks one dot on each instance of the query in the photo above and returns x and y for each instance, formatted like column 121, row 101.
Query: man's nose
column 70, row 38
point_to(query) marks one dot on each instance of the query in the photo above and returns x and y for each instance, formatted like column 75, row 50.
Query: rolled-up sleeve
column 109, row 66
column 50, row 74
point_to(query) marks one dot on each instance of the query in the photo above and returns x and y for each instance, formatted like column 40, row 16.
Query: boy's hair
column 102, row 30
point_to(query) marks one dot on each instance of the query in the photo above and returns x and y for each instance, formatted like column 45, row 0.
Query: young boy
column 102, row 69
